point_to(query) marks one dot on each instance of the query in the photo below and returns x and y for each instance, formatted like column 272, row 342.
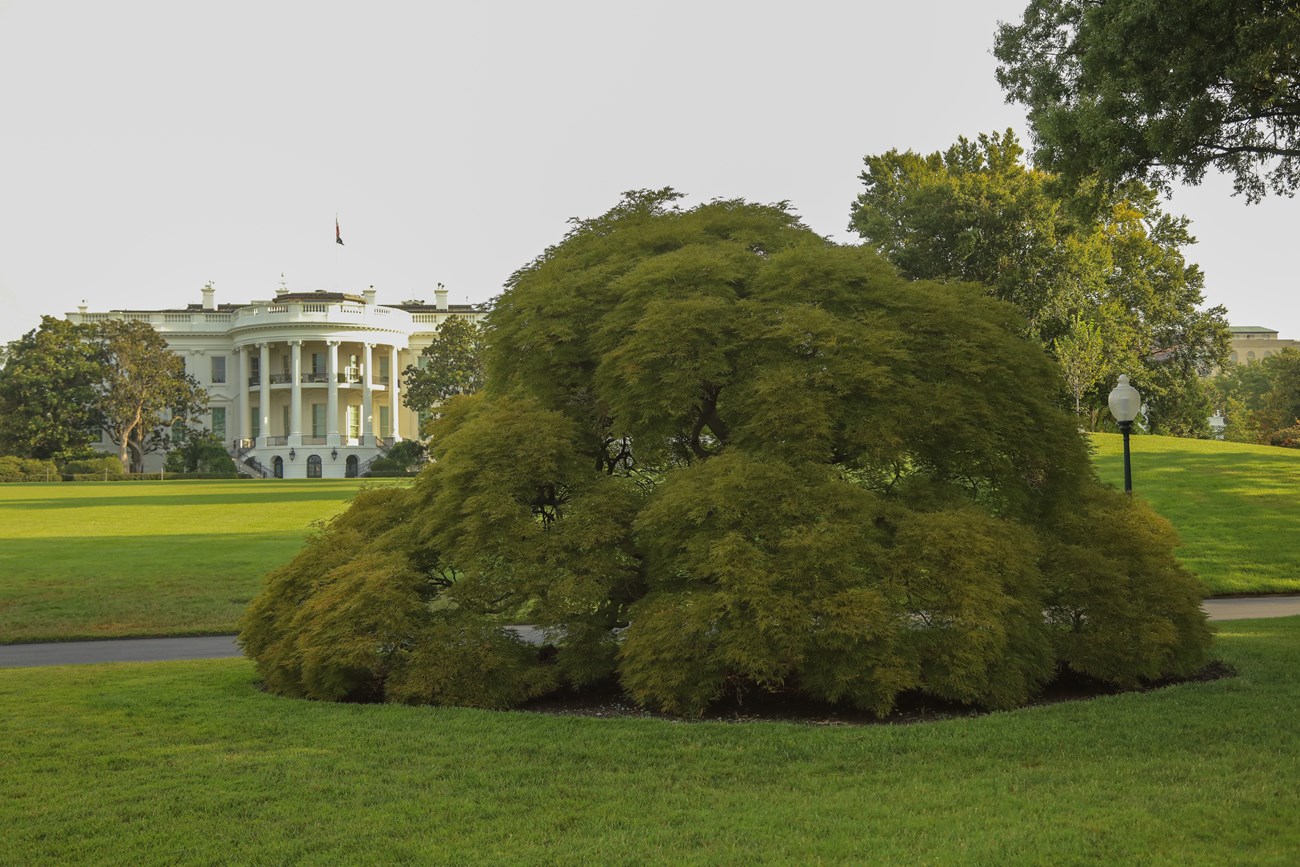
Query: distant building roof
column 1251, row 329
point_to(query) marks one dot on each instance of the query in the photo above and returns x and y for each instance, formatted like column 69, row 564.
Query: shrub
column 718, row 455
column 98, row 465
column 14, row 469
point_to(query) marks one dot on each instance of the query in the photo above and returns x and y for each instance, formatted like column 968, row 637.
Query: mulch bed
column 610, row 702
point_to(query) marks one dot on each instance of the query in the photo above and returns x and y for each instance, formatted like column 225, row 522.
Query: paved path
column 224, row 647
column 118, row 650
column 145, row 649
column 1250, row 607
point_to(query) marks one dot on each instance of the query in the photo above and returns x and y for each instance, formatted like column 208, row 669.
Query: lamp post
column 1125, row 401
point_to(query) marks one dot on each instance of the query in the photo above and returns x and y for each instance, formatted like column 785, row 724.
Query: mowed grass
column 189, row 763
column 1236, row 507
column 97, row 560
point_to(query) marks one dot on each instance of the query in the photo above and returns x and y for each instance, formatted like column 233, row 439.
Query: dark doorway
column 351, row 467
column 277, row 467
column 313, row 467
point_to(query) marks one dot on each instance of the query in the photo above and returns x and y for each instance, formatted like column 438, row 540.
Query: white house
column 307, row 385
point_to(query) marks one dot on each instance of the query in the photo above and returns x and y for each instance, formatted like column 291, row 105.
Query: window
column 318, row 419
column 286, row 420
column 383, row 368
column 254, row 367
column 219, row 422
column 255, row 423
column 313, row 467
column 218, row 369
column 318, row 363
column 383, row 421
column 354, row 422
column 1250, row 356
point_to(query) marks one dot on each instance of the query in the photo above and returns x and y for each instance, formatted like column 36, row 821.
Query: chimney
column 369, row 295
column 440, row 297
column 209, row 297
column 81, row 312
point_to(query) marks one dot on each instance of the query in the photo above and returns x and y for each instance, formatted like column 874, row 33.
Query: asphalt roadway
column 224, row 646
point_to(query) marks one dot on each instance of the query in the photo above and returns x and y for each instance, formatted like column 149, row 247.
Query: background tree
column 1260, row 401
column 452, row 364
column 977, row 213
column 717, row 454
column 199, row 451
column 1082, row 355
column 48, row 390
column 1159, row 91
column 145, row 390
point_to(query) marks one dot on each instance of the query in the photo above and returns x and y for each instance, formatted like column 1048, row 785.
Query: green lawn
column 189, row 762
column 1235, row 506
column 170, row 558
column 93, row 560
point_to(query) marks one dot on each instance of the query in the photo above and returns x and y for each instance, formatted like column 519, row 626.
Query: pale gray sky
column 146, row 148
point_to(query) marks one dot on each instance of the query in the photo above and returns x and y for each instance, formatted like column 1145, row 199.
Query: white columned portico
column 264, row 399
column 245, row 414
column 394, row 393
column 332, row 407
column 367, row 398
column 295, row 405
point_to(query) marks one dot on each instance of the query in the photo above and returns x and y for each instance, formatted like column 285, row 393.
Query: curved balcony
column 344, row 314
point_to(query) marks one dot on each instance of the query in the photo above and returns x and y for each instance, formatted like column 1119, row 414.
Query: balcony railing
column 281, row 378
column 277, row 441
column 316, row 377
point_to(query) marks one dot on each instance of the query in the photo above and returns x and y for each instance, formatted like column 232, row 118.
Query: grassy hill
column 1235, row 506
column 100, row 560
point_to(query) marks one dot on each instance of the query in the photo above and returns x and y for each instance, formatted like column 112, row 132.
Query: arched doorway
column 351, row 467
column 277, row 467
column 313, row 467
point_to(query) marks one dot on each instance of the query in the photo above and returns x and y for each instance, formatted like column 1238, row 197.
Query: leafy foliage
column 401, row 457
column 452, row 364
column 1160, row 91
column 48, row 392
column 199, row 452
column 1102, row 283
column 717, row 454
column 145, row 389
column 1261, row 400
column 26, row 470
column 63, row 382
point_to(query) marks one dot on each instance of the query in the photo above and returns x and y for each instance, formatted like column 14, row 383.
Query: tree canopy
column 452, row 364
column 1260, row 401
column 718, row 454
column 49, row 392
column 144, row 391
column 64, row 382
column 1160, row 91
column 1101, row 279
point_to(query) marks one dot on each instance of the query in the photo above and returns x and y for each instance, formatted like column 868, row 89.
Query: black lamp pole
column 1125, row 427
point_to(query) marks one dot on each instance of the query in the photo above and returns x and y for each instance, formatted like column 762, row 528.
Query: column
column 332, row 406
column 295, row 405
column 245, row 414
column 367, row 397
column 394, row 393
column 264, row 400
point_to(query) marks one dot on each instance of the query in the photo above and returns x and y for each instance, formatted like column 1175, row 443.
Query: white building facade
column 307, row 385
